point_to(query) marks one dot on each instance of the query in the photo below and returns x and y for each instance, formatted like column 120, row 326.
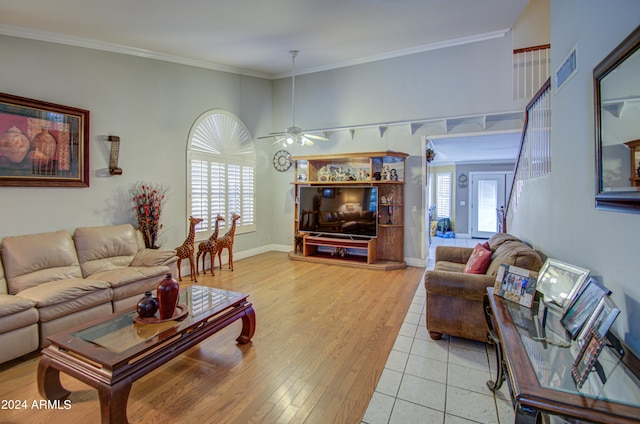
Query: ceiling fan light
column 289, row 140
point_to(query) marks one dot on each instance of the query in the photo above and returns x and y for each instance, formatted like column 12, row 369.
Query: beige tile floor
column 444, row 381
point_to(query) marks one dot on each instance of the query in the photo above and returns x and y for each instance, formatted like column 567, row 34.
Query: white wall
column 151, row 105
column 463, row 80
column 558, row 215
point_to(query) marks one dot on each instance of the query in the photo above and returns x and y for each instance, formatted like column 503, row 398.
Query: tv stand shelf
column 310, row 246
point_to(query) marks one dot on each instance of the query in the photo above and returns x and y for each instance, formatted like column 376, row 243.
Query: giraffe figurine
column 209, row 246
column 227, row 242
column 186, row 250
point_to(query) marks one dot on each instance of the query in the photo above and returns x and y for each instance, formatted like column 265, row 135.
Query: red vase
column 167, row 293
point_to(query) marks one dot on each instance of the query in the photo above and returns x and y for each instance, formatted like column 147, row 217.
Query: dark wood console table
column 536, row 363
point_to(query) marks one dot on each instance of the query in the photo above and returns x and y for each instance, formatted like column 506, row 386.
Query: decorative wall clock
column 282, row 160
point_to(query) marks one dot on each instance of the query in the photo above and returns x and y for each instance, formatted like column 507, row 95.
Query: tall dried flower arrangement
column 147, row 202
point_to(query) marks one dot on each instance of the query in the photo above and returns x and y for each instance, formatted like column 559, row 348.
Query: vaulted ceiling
column 254, row 36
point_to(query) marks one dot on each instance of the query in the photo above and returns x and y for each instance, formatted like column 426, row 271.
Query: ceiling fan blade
column 316, row 137
column 278, row 134
column 306, row 141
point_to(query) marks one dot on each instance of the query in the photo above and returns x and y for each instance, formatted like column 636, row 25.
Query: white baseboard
column 243, row 254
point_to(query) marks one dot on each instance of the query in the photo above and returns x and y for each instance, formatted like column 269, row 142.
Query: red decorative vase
column 167, row 292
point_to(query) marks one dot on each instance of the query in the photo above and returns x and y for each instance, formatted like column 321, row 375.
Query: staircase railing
column 534, row 159
column 531, row 68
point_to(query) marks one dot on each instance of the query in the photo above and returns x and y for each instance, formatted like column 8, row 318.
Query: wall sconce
column 113, row 158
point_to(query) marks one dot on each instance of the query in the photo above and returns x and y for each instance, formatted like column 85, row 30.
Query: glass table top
column 123, row 332
column 551, row 353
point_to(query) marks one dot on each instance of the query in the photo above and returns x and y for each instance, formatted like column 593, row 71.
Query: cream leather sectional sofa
column 50, row 282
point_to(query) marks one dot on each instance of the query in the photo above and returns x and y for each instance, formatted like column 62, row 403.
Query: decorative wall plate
column 282, row 160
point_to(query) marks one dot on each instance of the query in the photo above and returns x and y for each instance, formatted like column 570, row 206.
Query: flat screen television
column 340, row 210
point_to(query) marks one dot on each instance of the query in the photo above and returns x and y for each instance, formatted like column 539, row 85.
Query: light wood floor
column 322, row 338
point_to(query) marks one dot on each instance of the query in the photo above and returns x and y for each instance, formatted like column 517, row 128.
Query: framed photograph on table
column 600, row 320
column 587, row 357
column 582, row 307
column 516, row 284
column 559, row 282
column 43, row 144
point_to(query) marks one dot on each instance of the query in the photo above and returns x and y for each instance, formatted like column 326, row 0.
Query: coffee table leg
column 49, row 381
column 113, row 402
column 248, row 326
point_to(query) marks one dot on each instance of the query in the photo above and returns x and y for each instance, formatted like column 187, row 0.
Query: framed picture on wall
column 559, row 282
column 43, row 144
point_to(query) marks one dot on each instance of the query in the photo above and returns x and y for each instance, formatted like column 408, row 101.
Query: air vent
column 567, row 69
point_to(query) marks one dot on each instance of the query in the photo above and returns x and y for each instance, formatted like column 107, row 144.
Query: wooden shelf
column 384, row 170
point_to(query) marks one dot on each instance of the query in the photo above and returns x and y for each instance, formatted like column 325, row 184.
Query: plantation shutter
column 443, row 194
column 221, row 163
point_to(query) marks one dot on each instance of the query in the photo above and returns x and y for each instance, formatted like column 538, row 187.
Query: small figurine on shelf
column 385, row 173
column 324, row 174
column 298, row 243
column 394, row 175
column 340, row 251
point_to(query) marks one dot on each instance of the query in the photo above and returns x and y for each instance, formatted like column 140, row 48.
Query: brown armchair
column 455, row 299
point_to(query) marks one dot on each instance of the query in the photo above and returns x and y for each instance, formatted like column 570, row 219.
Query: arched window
column 222, row 167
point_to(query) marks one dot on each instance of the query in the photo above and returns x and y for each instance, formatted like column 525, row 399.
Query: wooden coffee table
column 111, row 354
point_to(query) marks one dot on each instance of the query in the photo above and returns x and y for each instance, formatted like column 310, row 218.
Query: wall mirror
column 617, row 117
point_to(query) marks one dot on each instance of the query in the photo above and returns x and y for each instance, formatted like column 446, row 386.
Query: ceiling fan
column 294, row 134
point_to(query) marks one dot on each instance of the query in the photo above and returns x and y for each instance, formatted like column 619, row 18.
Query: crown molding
column 399, row 53
column 53, row 37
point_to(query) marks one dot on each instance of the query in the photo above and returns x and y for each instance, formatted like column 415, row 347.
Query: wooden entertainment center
column 384, row 170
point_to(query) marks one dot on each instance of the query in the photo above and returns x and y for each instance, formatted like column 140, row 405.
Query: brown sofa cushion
column 514, row 253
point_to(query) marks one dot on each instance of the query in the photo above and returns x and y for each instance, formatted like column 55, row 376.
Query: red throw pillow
column 479, row 260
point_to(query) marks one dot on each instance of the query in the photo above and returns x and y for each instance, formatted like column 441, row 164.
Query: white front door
column 488, row 194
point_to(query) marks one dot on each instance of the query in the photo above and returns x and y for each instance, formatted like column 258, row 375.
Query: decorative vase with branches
column 147, row 205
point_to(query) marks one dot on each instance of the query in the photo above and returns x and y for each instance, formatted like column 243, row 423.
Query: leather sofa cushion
column 18, row 319
column 59, row 291
column 3, row 281
column 64, row 297
column 121, row 276
column 107, row 247
column 153, row 257
column 34, row 259
column 11, row 304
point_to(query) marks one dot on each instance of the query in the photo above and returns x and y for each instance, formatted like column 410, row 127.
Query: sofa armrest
column 458, row 255
column 457, row 284
column 154, row 257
